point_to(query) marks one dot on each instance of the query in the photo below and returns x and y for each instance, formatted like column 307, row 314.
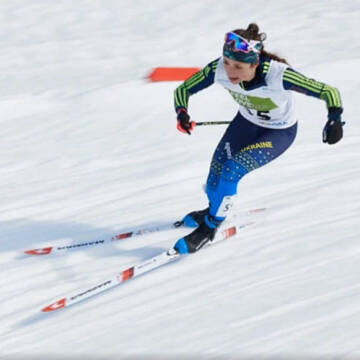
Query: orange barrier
column 171, row 73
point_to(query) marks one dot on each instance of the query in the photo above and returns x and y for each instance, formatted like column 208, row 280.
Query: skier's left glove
column 333, row 130
column 183, row 122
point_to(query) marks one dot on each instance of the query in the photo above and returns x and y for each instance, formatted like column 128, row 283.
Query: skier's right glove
column 333, row 130
column 183, row 122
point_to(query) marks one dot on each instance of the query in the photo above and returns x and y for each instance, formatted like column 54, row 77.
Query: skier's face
column 238, row 71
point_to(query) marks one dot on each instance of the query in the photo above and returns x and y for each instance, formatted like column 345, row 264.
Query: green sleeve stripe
column 325, row 92
column 304, row 85
column 331, row 96
column 192, row 79
column 266, row 66
column 177, row 100
column 176, row 97
column 206, row 70
column 195, row 76
column 195, row 79
column 180, row 100
column 181, row 96
column 336, row 95
column 302, row 78
column 185, row 97
column 214, row 65
column 200, row 75
column 182, row 93
column 290, row 75
column 304, row 82
column 325, row 95
column 198, row 81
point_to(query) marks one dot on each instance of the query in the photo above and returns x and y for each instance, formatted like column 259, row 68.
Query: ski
column 87, row 244
column 135, row 271
column 125, row 235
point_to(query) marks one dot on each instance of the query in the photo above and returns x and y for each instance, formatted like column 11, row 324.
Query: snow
column 89, row 149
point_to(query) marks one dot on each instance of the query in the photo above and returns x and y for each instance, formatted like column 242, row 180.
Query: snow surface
column 89, row 149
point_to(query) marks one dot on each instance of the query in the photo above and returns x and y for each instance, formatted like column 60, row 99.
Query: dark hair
column 252, row 33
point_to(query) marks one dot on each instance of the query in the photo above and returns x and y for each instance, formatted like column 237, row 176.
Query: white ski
column 61, row 249
column 134, row 271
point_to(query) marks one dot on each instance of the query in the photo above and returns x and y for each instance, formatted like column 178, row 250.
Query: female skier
column 265, row 126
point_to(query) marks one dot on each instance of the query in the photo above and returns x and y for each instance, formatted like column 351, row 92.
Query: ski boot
column 194, row 219
column 204, row 233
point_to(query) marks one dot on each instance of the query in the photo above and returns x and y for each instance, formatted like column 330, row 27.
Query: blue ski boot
column 204, row 233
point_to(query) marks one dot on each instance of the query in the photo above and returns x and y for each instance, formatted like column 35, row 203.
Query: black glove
column 184, row 124
column 333, row 130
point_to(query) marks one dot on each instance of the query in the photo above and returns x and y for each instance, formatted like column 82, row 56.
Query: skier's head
column 241, row 53
column 244, row 45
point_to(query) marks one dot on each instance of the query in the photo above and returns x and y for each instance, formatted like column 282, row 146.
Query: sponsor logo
column 228, row 150
column 80, row 245
column 273, row 123
column 253, row 102
column 151, row 261
column 106, row 283
column 259, row 145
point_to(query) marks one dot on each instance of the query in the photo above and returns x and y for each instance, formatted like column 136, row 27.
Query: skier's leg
column 243, row 148
column 236, row 156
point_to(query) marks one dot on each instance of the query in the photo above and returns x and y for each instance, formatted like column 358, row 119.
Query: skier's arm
column 292, row 80
column 333, row 130
column 199, row 81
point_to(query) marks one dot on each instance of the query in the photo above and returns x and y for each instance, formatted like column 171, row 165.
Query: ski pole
column 212, row 123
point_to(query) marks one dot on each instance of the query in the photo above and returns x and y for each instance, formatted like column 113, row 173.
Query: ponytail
column 252, row 33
